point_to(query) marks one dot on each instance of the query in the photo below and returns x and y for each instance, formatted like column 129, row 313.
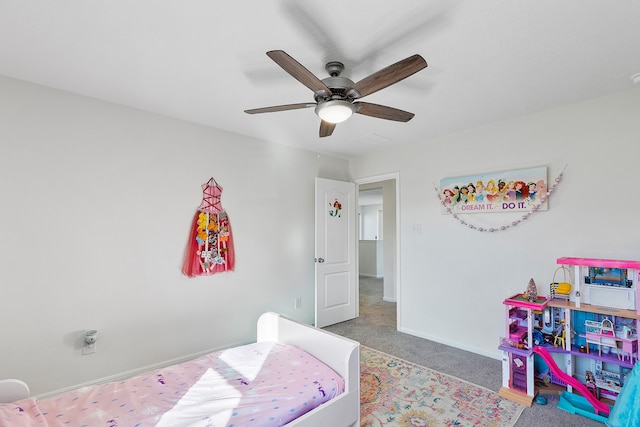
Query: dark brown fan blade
column 387, row 76
column 326, row 128
column 298, row 71
column 281, row 108
column 382, row 112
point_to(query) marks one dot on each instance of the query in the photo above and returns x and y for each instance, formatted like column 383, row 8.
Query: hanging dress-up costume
column 210, row 245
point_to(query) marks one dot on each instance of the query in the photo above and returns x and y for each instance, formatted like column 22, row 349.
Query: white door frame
column 385, row 177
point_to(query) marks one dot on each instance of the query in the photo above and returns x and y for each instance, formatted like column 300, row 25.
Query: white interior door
column 336, row 261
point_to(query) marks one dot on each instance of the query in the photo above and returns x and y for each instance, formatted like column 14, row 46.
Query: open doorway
column 371, row 230
column 378, row 246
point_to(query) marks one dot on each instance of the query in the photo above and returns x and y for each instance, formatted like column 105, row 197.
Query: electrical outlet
column 89, row 348
column 89, row 342
column 298, row 302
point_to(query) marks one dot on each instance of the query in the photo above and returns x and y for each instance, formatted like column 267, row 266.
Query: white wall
column 371, row 258
column 370, row 225
column 97, row 200
column 454, row 279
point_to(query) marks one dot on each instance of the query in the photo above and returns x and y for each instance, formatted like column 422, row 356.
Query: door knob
column 320, row 260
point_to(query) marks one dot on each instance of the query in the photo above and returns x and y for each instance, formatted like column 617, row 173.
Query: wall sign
column 507, row 191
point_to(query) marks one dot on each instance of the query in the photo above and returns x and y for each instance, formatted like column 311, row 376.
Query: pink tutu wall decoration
column 210, row 246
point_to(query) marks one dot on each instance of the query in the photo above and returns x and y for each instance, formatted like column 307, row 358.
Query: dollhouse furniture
column 561, row 289
column 629, row 350
column 561, row 333
column 219, row 388
column 601, row 333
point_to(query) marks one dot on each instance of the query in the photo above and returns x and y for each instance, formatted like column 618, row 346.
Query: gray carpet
column 376, row 328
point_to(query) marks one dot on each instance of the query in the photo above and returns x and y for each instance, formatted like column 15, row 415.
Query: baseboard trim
column 497, row 355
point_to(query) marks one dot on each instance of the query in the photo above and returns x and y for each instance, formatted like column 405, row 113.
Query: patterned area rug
column 395, row 392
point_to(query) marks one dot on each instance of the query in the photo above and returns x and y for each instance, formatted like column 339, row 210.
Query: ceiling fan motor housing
column 338, row 86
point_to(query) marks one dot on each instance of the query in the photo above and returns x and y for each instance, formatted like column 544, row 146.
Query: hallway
column 373, row 309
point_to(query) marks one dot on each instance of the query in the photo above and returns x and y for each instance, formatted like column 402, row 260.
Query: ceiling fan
column 336, row 97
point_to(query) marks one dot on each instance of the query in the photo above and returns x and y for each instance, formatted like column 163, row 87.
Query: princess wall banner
column 507, row 191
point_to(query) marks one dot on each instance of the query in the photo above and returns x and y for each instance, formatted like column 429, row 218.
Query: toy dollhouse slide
column 570, row 403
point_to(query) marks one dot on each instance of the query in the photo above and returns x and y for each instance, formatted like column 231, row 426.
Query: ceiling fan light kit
column 335, row 96
column 335, row 111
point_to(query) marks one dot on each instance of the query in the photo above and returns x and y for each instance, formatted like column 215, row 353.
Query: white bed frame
column 341, row 354
column 12, row 390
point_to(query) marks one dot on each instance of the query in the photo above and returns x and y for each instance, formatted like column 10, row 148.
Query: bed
column 300, row 375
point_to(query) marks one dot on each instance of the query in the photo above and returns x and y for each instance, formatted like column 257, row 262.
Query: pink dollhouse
column 594, row 344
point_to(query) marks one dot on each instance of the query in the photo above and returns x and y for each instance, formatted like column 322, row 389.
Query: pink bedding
column 261, row 384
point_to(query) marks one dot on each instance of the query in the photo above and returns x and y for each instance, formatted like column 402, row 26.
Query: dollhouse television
column 608, row 277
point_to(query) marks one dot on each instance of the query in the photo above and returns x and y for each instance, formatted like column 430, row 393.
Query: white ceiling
column 204, row 60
